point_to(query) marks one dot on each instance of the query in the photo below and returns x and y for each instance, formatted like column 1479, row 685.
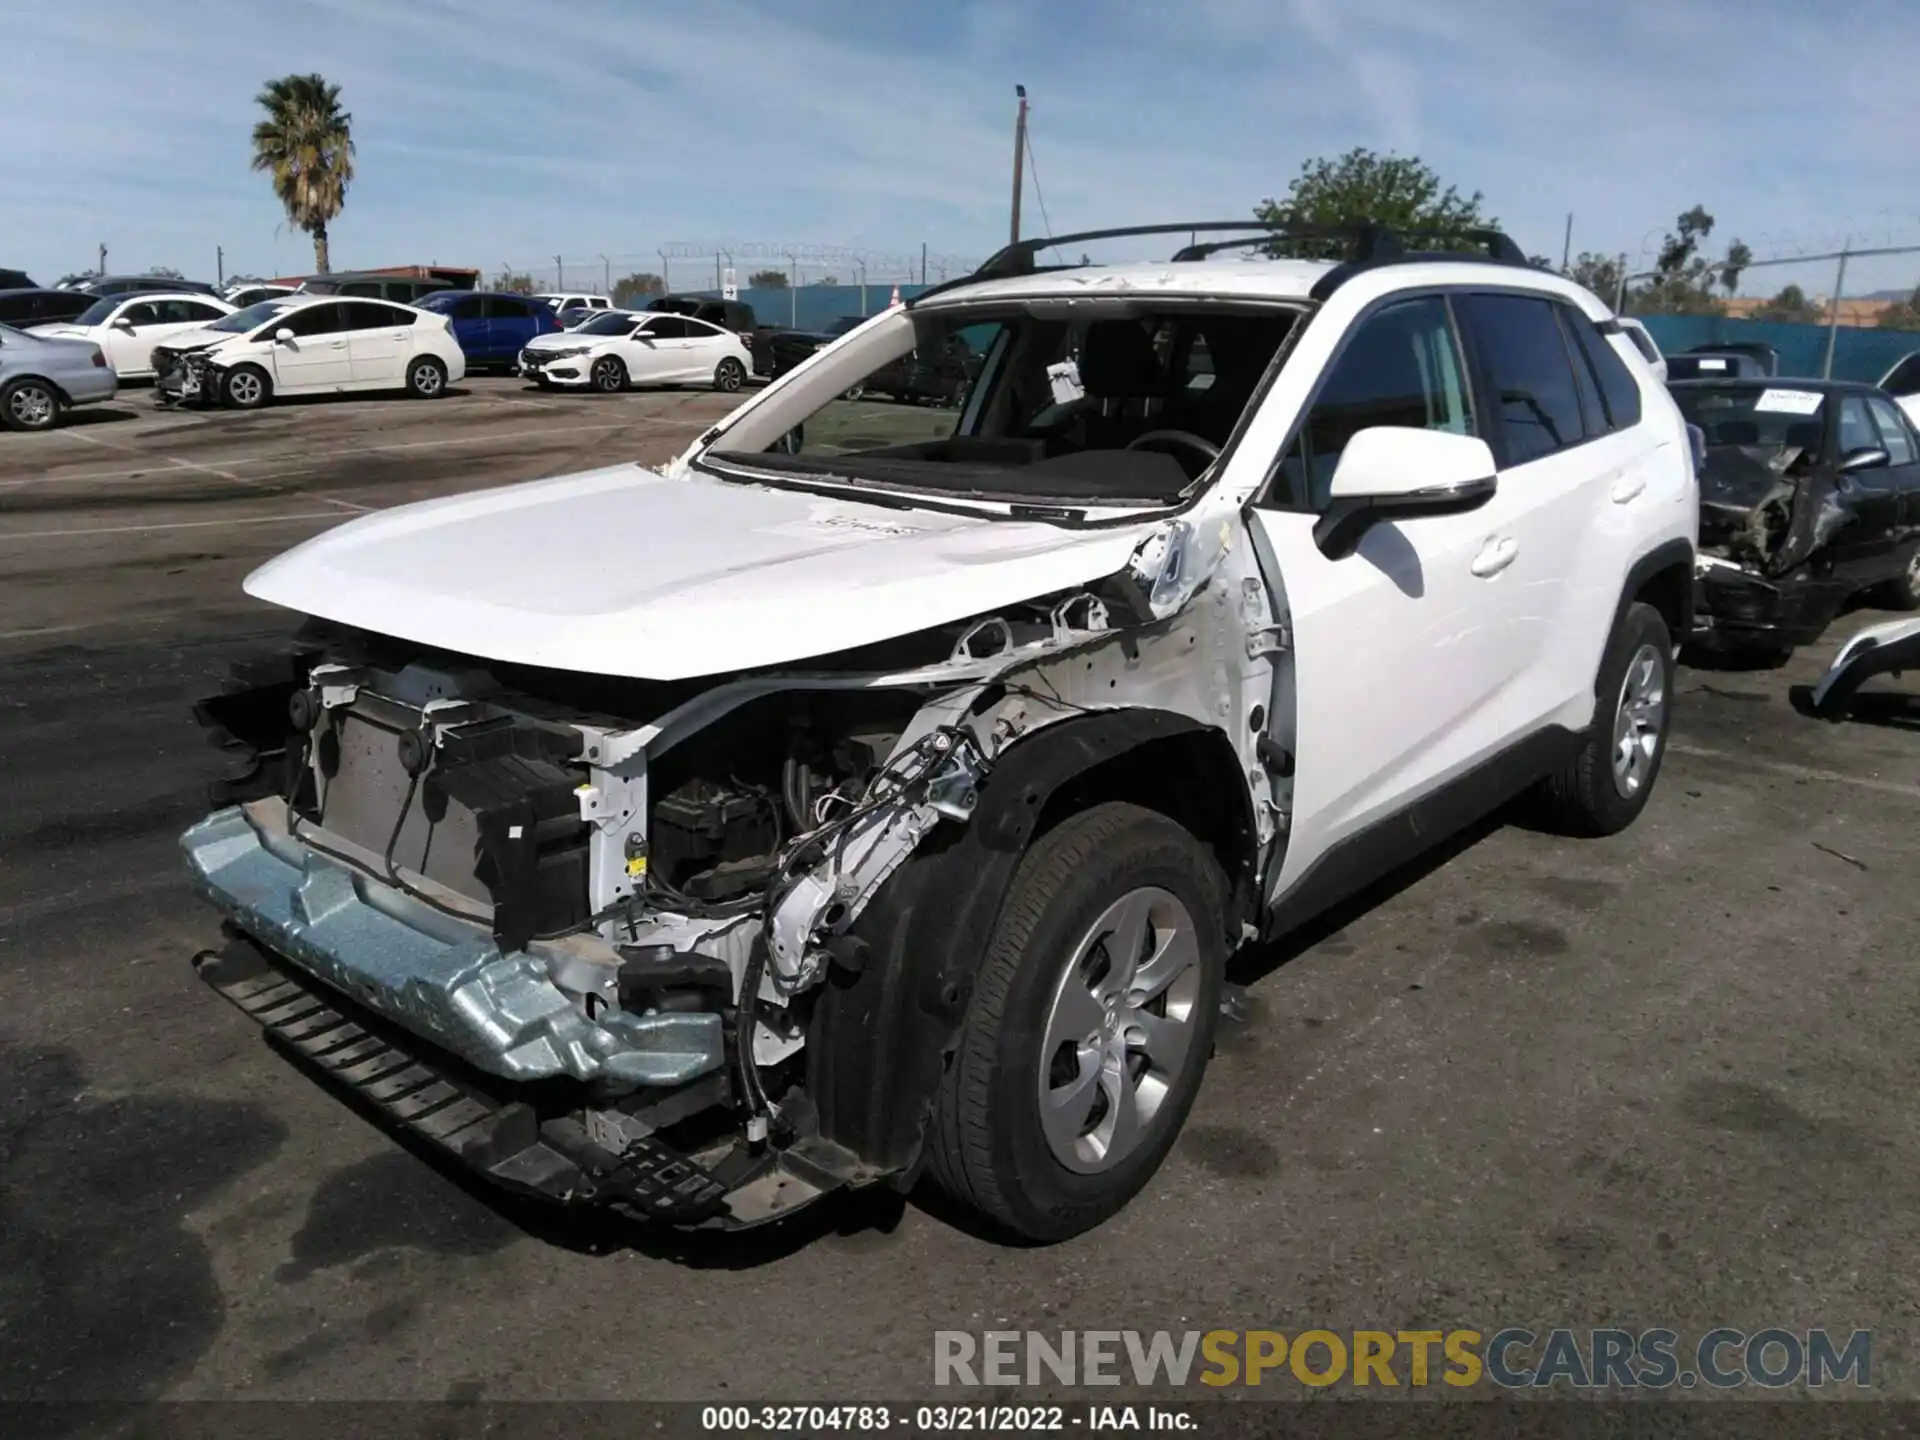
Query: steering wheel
column 1198, row 443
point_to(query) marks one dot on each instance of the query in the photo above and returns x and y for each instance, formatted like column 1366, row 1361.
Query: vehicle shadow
column 1890, row 710
column 95, row 415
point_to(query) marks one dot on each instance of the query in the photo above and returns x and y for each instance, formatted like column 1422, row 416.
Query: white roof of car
column 1244, row 279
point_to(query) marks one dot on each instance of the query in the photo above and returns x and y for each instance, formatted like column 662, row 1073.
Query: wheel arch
column 879, row 1041
column 1662, row 578
column 47, row 380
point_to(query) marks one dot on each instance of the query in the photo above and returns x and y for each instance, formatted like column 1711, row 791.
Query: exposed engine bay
column 626, row 897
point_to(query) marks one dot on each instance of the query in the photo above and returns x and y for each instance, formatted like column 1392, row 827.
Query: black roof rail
column 1368, row 244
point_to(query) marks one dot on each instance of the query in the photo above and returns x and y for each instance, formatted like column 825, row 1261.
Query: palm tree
column 305, row 145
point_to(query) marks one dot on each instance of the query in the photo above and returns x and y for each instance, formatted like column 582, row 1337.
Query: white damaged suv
column 879, row 791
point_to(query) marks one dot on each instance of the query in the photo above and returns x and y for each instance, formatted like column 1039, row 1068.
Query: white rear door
column 379, row 343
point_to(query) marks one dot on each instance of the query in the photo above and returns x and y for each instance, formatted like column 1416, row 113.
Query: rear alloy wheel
column 1090, row 1027
column 426, row 379
column 1604, row 787
column 244, row 388
column 609, row 375
column 729, row 375
column 30, row 405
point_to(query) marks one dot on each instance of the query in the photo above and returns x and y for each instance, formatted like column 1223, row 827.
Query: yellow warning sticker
column 637, row 866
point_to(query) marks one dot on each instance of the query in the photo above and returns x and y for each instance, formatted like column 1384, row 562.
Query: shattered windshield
column 1768, row 417
column 1116, row 400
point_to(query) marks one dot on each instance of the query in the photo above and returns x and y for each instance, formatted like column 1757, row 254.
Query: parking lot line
column 6, row 536
column 1799, row 772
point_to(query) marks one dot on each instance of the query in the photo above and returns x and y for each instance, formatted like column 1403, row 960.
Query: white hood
column 624, row 572
column 195, row 339
column 61, row 331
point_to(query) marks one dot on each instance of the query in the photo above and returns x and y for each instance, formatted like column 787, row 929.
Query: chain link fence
column 716, row 265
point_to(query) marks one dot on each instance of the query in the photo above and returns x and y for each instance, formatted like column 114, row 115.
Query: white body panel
column 623, row 572
column 130, row 351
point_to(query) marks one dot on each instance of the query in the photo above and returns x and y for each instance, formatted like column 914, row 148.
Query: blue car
column 491, row 326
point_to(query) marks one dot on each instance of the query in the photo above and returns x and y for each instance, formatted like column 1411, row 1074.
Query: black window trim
column 1469, row 371
column 1900, row 416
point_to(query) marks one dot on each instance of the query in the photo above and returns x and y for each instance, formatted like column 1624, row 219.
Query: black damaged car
column 1809, row 496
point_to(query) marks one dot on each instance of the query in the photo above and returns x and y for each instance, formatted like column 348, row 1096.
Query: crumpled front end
column 612, row 909
column 1766, row 518
column 182, row 377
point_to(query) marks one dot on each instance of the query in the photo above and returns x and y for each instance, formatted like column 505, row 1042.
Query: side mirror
column 121, row 322
column 1868, row 457
column 1390, row 472
column 283, row 336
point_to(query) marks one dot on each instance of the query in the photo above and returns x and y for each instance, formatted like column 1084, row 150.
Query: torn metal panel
column 1885, row 649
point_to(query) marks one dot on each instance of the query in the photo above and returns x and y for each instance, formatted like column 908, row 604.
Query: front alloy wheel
column 609, row 374
column 1089, row 1027
column 1121, row 1024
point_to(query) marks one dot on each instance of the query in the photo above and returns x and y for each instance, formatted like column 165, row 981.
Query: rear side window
column 1402, row 366
column 1618, row 389
column 1525, row 361
column 668, row 327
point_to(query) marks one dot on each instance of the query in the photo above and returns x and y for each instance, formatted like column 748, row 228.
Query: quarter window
column 1524, row 358
column 1402, row 366
column 1893, row 429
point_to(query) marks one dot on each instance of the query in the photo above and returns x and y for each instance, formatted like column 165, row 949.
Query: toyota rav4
column 877, row 792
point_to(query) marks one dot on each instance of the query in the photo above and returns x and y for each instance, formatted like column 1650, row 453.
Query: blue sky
column 491, row 131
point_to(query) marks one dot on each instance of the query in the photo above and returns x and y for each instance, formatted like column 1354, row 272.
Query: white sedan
column 311, row 345
column 613, row 351
column 127, row 327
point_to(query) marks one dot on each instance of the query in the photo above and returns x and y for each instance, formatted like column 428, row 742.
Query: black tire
column 245, row 387
column 1584, row 797
column 31, row 403
column 544, row 383
column 426, row 378
column 1902, row 592
column 608, row 375
column 986, row 1148
column 729, row 375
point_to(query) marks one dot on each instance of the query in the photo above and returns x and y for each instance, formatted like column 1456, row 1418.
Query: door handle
column 1626, row 488
column 1499, row 552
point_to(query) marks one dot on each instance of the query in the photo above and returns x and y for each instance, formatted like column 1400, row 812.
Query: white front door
column 1404, row 651
column 317, row 355
column 129, row 338
column 653, row 354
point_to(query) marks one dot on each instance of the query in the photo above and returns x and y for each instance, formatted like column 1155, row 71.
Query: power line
column 1033, row 168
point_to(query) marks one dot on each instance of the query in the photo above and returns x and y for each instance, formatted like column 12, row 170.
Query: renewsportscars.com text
column 1513, row 1358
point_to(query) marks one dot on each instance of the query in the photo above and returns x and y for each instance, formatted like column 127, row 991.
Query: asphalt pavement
column 1661, row 1079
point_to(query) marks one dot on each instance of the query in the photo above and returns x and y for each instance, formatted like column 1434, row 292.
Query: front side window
column 1893, row 429
column 315, row 320
column 1525, row 360
column 1856, row 426
column 145, row 313
column 497, row 307
column 1402, row 366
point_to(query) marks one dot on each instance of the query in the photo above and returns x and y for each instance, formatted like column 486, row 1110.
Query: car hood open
column 623, row 571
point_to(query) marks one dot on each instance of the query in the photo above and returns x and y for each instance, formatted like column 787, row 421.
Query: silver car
column 40, row 378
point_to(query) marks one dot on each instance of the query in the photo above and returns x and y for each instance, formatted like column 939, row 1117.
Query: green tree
column 1599, row 273
column 768, row 280
column 1398, row 191
column 1901, row 314
column 306, row 145
column 629, row 288
column 1792, row 306
column 513, row 282
column 1684, row 279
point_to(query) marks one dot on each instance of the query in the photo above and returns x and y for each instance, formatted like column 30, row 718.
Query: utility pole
column 1620, row 291
column 1019, row 157
column 923, row 262
column 606, row 270
column 220, row 267
column 1566, row 248
column 103, row 259
column 793, row 292
column 1833, row 315
column 559, row 280
column 666, row 273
